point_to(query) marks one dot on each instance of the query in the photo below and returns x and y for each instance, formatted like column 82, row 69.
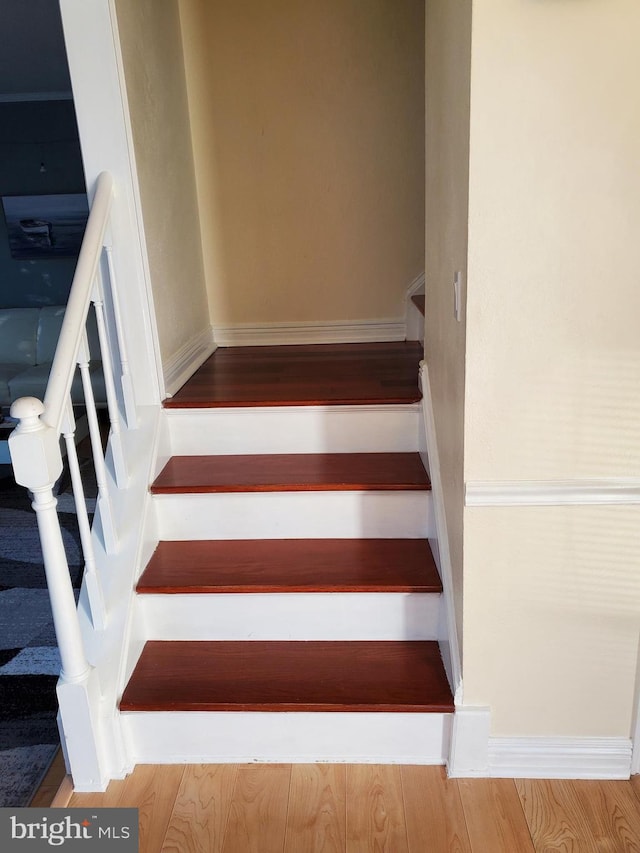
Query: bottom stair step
column 378, row 676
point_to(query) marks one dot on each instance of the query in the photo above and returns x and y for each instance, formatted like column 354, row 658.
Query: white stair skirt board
column 295, row 515
column 560, row 757
column 183, row 737
column 184, row 363
column 291, row 616
column 415, row 323
column 414, row 318
column 294, row 429
column 276, row 334
column 440, row 547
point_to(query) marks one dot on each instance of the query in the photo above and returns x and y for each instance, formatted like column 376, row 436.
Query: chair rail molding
column 605, row 490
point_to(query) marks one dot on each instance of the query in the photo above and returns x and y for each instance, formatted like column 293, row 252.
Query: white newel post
column 37, row 465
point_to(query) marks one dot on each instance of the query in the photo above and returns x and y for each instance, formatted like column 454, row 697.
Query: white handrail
column 75, row 317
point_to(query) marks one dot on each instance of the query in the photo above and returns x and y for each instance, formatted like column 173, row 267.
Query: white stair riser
column 299, row 429
column 295, row 515
column 291, row 616
column 158, row 737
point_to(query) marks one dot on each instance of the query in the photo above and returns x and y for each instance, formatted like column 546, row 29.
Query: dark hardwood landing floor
column 291, row 565
column 305, row 375
column 292, row 472
column 289, row 676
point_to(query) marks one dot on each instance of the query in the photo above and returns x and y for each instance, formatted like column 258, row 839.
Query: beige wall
column 554, row 253
column 154, row 72
column 308, row 128
column 552, row 595
column 448, row 34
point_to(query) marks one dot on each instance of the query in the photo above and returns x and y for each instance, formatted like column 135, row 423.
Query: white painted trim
column 635, row 758
column 100, row 100
column 184, row 363
column 605, row 490
column 295, row 429
column 414, row 321
column 468, row 756
column 559, row 757
column 300, row 737
column 416, row 286
column 20, row 97
column 291, row 616
column 449, row 638
column 294, row 515
column 336, row 332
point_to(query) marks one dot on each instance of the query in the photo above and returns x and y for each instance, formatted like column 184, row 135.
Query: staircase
column 290, row 610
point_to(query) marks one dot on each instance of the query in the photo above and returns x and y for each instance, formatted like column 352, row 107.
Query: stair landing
column 305, row 375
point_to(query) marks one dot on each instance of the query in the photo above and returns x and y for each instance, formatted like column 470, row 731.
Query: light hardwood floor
column 328, row 808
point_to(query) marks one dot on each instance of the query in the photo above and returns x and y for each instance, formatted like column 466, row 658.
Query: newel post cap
column 34, row 446
column 27, row 410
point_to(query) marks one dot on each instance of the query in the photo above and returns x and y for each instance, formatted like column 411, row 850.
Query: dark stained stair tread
column 291, row 565
column 292, row 472
column 317, row 374
column 403, row 676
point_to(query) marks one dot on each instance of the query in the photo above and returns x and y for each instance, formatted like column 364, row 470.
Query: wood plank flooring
column 292, row 472
column 291, row 565
column 332, row 675
column 328, row 808
column 305, row 375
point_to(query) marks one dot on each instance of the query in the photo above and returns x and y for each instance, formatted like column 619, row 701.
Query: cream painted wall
column 156, row 89
column 308, row 133
column 448, row 35
column 554, row 257
column 552, row 596
column 552, row 614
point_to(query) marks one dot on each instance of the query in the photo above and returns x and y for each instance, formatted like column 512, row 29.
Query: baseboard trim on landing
column 184, row 363
column 278, row 334
column 560, row 757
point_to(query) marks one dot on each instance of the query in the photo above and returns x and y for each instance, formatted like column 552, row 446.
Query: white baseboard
column 278, row 334
column 184, row 363
column 605, row 490
column 468, row 755
column 559, row 757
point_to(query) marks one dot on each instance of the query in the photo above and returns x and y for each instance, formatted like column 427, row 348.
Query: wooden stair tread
column 308, row 375
column 419, row 301
column 291, row 565
column 292, row 472
column 402, row 676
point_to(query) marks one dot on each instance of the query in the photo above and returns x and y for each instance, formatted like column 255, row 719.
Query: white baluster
column 103, row 507
column 115, row 439
column 37, row 464
column 125, row 379
column 92, row 581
